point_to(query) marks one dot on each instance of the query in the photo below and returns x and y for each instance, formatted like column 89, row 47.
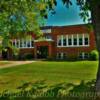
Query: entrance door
column 5, row 54
column 42, row 52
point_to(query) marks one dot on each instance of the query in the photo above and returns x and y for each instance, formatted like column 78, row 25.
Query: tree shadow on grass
column 63, row 91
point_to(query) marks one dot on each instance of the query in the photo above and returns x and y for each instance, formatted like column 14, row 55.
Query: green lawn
column 52, row 72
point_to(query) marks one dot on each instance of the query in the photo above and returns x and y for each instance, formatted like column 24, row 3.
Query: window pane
column 59, row 40
column 86, row 41
column 21, row 43
column 80, row 41
column 75, row 41
column 64, row 41
column 28, row 43
column 64, row 55
column 81, row 55
column 69, row 41
column 32, row 43
column 86, row 55
column 17, row 44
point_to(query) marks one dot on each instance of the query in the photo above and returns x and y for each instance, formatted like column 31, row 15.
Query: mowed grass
column 51, row 72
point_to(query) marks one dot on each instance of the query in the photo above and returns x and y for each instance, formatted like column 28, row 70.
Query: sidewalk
column 14, row 63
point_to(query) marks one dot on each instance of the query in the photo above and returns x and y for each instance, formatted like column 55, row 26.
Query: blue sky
column 64, row 16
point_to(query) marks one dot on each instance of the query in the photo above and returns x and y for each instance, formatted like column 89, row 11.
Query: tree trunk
column 96, row 23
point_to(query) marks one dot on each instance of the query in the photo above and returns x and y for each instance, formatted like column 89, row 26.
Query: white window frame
column 60, row 37
column 24, row 43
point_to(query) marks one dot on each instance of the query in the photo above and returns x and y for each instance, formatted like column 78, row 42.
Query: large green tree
column 17, row 17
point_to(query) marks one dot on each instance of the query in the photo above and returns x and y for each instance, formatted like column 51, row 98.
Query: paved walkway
column 14, row 63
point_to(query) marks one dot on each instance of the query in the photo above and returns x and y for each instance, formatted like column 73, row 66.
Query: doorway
column 42, row 52
column 5, row 54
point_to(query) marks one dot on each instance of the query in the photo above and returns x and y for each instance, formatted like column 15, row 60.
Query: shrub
column 28, row 56
column 94, row 55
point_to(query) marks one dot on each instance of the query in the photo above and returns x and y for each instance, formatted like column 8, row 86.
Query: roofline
column 48, row 27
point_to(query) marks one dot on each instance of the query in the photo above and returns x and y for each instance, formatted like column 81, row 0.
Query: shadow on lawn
column 63, row 91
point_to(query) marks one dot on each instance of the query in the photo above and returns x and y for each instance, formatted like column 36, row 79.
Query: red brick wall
column 25, row 51
column 70, row 51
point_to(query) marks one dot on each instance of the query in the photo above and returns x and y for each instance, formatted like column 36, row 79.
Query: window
column 17, row 44
column 64, row 41
column 13, row 43
column 80, row 39
column 23, row 43
column 48, row 37
column 86, row 55
column 28, row 43
column 75, row 40
column 32, row 42
column 69, row 40
column 61, row 55
column 59, row 42
column 86, row 39
column 83, row 55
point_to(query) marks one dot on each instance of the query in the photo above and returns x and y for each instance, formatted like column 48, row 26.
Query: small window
column 86, row 55
column 80, row 55
column 83, row 55
column 61, row 55
column 58, row 55
column 64, row 55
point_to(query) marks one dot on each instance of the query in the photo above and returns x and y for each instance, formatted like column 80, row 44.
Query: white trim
column 61, row 40
column 72, row 40
column 83, row 40
column 67, row 40
column 23, row 43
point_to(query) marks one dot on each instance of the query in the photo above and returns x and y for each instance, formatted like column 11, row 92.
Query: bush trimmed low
column 94, row 55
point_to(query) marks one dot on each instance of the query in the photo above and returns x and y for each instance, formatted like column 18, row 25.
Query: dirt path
column 14, row 63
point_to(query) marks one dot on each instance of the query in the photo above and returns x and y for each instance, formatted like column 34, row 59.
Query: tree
column 94, row 7
column 17, row 17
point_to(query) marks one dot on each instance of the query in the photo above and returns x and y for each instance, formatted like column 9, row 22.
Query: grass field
column 52, row 72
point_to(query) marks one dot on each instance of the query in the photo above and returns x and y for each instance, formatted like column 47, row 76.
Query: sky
column 64, row 16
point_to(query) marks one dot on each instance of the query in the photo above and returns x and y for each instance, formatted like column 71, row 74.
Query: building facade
column 57, row 42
